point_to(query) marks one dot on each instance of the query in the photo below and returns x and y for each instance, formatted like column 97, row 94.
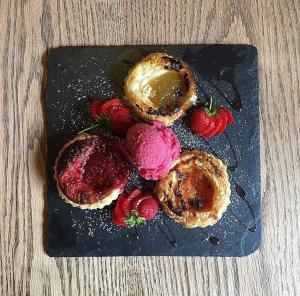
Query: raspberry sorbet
column 151, row 149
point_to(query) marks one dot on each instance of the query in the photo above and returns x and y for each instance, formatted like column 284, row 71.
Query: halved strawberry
column 127, row 207
column 135, row 209
column 111, row 112
column 218, row 124
column 118, row 217
column 118, row 214
column 136, row 192
column 222, row 122
column 199, row 122
column 138, row 199
column 121, row 200
column 211, row 130
column 210, row 120
column 96, row 109
column 109, row 104
column 121, row 120
column 229, row 115
column 113, row 109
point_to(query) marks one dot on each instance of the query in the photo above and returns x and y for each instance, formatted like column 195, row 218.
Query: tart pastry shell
column 152, row 66
column 216, row 172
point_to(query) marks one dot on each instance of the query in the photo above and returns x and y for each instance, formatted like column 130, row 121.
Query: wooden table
column 29, row 28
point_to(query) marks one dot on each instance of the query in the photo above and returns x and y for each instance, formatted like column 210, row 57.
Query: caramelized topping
column 166, row 89
column 89, row 168
column 197, row 190
column 196, row 203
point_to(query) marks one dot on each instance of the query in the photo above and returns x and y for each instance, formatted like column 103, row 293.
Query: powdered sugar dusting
column 86, row 74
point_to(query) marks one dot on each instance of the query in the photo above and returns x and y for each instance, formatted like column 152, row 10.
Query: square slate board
column 229, row 74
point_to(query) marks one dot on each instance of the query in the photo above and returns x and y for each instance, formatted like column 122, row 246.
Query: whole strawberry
column 210, row 120
column 135, row 209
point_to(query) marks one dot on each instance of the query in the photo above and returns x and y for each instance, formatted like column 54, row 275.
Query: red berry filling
column 90, row 168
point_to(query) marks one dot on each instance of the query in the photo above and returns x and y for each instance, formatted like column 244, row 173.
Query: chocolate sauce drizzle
column 239, row 190
column 232, row 167
column 223, row 70
column 235, row 165
column 242, row 194
column 224, row 59
column 212, row 239
column 252, row 229
column 236, row 102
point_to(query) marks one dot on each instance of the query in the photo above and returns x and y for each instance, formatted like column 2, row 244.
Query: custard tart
column 161, row 88
column 90, row 171
column 196, row 192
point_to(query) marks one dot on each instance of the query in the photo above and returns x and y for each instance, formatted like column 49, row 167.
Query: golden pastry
column 196, row 191
column 161, row 88
column 90, row 172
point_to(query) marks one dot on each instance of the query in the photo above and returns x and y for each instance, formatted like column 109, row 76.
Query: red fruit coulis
column 89, row 168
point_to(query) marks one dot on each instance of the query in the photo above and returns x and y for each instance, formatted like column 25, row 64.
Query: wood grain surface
column 29, row 27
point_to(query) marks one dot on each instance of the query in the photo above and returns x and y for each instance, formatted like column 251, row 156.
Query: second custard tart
column 160, row 87
column 196, row 191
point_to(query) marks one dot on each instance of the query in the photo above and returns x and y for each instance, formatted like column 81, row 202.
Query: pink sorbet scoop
column 151, row 149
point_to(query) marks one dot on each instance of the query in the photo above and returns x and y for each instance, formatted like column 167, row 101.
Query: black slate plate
column 228, row 73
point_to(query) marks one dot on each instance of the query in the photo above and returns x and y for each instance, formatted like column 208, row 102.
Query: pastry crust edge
column 134, row 101
column 220, row 182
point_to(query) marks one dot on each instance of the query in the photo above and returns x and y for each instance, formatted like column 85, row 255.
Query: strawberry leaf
column 210, row 108
column 133, row 219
